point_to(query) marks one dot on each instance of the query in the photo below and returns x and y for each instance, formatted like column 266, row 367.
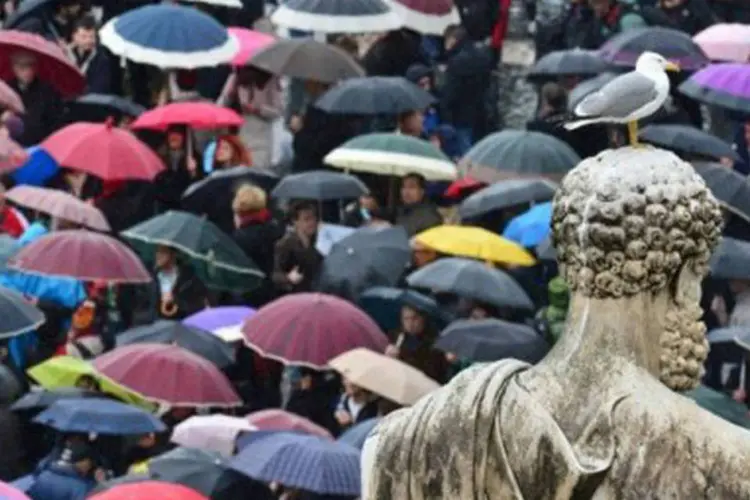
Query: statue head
column 640, row 222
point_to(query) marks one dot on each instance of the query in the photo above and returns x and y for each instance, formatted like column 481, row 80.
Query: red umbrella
column 168, row 374
column 52, row 66
column 275, row 419
column 10, row 100
column 12, row 155
column 58, row 204
column 149, row 489
column 310, row 329
column 463, row 187
column 198, row 115
column 112, row 154
column 83, row 255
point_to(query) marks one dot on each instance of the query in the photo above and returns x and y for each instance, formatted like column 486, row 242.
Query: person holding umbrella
column 297, row 262
column 181, row 293
column 72, row 477
column 416, row 214
column 182, row 168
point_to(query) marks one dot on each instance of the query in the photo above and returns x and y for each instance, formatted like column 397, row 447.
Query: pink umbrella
column 250, row 42
column 725, row 42
column 198, row 115
column 281, row 420
column 8, row 492
column 58, row 204
column 211, row 432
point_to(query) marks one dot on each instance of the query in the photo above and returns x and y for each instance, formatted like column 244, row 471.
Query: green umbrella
column 720, row 405
column 217, row 259
column 393, row 154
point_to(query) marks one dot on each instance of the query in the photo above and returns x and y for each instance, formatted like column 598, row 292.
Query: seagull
column 629, row 97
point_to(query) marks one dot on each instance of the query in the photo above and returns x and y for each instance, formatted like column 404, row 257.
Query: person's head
column 601, row 7
column 412, row 189
column 452, row 35
column 24, row 67
column 412, row 321
column 315, row 89
column 166, row 257
column 352, row 390
column 176, row 138
column 88, row 383
column 411, row 123
column 84, row 33
column 421, row 255
column 304, row 217
column 368, row 202
column 671, row 4
column 230, row 152
column 80, row 455
column 69, row 9
column 420, row 75
column 248, row 200
column 739, row 286
column 554, row 98
column 348, row 44
column 478, row 311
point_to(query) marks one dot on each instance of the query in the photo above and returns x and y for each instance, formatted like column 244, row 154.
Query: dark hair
column 86, row 22
column 414, row 176
column 554, row 96
column 302, row 206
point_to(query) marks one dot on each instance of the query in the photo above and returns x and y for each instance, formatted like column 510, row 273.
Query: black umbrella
column 193, row 339
column 687, row 140
column 586, row 87
column 40, row 400
column 730, row 188
column 10, row 386
column 25, row 9
column 383, row 304
column 492, row 340
column 306, row 59
column 99, row 107
column 375, row 95
column 677, row 46
column 568, row 63
column 731, row 260
column 319, row 185
column 372, row 256
column 471, row 279
column 202, row 196
column 18, row 315
column 506, row 194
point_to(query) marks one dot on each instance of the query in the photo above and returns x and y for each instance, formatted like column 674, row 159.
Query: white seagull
column 629, row 97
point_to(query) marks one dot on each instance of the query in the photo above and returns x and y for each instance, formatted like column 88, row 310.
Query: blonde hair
column 248, row 199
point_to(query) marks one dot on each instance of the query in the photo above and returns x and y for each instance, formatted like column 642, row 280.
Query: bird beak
column 671, row 66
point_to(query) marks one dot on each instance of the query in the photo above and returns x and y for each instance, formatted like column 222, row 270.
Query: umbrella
column 197, row 341
column 63, row 372
column 383, row 375
column 237, row 4
column 371, row 256
column 149, row 489
column 10, row 100
column 319, row 185
column 310, row 329
column 24, row 8
column 688, row 140
column 309, row 463
column 337, row 16
column 275, row 419
column 104, row 151
column 216, row 318
column 571, row 62
column 738, row 335
column 8, row 248
column 169, row 36
column 219, row 262
column 474, row 243
column 130, row 478
column 58, row 204
column 545, row 251
column 306, row 59
column 531, row 227
column 103, row 106
column 724, row 85
column 623, row 49
column 37, row 400
column 720, row 405
column 725, row 42
column 519, row 153
column 52, row 65
column 473, row 280
column 82, row 255
column 250, row 42
column 505, row 194
column 375, row 95
column 102, row 416
column 38, row 168
column 183, row 378
column 197, row 115
column 492, row 340
column 730, row 188
column 8, row 492
column 586, row 87
column 215, row 433
column 429, row 17
column 731, row 260
column 460, row 188
column 10, row 386
column 384, row 304
column 392, row 154
column 19, row 316
column 202, row 196
column 12, row 155
column 357, row 434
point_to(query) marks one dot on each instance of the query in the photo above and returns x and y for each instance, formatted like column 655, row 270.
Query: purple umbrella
column 623, row 49
column 725, row 85
column 215, row 318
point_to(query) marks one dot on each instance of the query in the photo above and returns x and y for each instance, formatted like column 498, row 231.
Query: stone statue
column 599, row 417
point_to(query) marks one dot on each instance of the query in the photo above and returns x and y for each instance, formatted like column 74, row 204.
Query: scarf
column 248, row 218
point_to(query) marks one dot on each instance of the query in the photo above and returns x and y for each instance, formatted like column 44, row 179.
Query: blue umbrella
column 357, row 434
column 102, row 416
column 38, row 169
column 169, row 36
column 383, row 304
column 305, row 462
column 531, row 227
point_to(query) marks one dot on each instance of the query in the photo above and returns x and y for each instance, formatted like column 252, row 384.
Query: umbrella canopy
column 37, row 169
column 249, row 42
column 730, row 188
column 720, row 405
column 299, row 461
column 24, row 9
column 429, row 17
column 184, row 378
column 505, row 194
column 102, row 416
column 688, row 140
column 197, row 341
column 383, row 375
column 8, row 248
column 275, row 419
column 392, row 154
column 731, row 260
column 306, row 59
column 104, row 151
column 531, row 227
column 10, row 100
column 37, row 400
column 102, row 106
column 82, row 255
column 319, row 185
column 371, row 256
column 384, row 304
column 725, row 42
column 492, row 340
column 465, row 186
column 571, row 62
column 52, row 65
column 214, row 433
column 473, row 280
column 337, row 16
column 677, row 46
column 586, row 87
column 215, row 318
column 217, row 259
column 8, row 492
column 724, row 85
column 236, row 4
column 357, row 434
column 149, row 489
column 19, row 316
column 737, row 335
column 197, row 115
column 474, row 243
column 519, row 153
column 169, row 36
column 12, row 155
column 375, row 95
column 58, row 204
column 310, row 329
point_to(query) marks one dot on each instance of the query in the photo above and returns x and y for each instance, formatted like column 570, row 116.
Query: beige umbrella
column 385, row 376
column 60, row 205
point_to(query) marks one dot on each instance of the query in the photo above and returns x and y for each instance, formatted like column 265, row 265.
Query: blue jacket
column 60, row 482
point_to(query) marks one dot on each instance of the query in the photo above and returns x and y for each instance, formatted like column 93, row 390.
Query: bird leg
column 633, row 133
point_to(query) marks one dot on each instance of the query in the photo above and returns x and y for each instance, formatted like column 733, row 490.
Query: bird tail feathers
column 582, row 123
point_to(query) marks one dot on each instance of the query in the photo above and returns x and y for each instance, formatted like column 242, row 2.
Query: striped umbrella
column 337, row 16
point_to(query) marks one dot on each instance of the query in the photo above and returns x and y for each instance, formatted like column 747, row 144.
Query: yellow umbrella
column 475, row 243
column 64, row 371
